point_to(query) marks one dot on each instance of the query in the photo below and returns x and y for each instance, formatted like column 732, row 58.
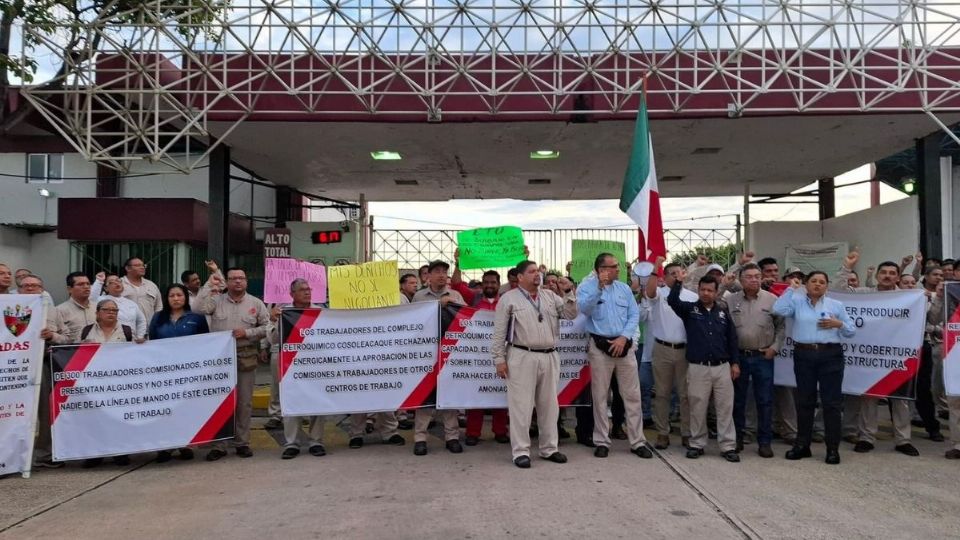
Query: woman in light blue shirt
column 819, row 323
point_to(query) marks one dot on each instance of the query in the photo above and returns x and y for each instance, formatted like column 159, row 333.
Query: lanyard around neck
column 536, row 305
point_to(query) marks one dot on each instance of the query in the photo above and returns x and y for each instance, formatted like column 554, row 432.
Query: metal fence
column 414, row 248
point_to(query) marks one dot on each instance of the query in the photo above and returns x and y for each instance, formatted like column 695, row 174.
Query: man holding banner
column 612, row 320
column 247, row 318
column 526, row 330
column 437, row 291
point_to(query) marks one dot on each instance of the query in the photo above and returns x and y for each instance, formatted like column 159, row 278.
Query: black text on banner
column 21, row 353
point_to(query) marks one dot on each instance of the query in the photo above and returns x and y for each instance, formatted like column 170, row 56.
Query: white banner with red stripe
column 125, row 398
column 951, row 338
column 883, row 358
column 468, row 378
column 21, row 354
column 362, row 360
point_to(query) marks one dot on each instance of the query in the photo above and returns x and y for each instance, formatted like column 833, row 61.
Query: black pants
column 819, row 369
column 584, row 429
column 925, row 406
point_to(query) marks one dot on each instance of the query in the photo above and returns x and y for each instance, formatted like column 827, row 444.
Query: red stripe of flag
column 81, row 358
column 217, row 420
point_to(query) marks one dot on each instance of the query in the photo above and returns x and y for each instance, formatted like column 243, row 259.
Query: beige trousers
column 273, row 408
column 602, row 369
column 702, row 382
column 851, row 416
column 291, row 428
column 867, row 420
column 954, row 403
column 244, row 411
column 532, row 382
column 669, row 370
column 936, row 382
column 421, row 421
column 386, row 423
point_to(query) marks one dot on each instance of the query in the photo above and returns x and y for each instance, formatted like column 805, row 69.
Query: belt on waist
column 528, row 349
column 598, row 336
column 751, row 352
column 711, row 363
column 816, row 346
column 671, row 345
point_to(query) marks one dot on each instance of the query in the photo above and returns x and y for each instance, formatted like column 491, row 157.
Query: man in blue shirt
column 612, row 319
column 711, row 346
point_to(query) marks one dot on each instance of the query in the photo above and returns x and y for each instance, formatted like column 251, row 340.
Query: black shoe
column 461, row 421
column 907, row 449
column 953, row 453
column 273, row 423
column 502, row 439
column 739, row 444
column 943, row 415
column 936, row 437
column 862, row 447
column 586, row 442
column 420, row 448
column 290, row 453
column 522, row 461
column 694, row 453
column 471, row 440
column 396, row 440
column 685, row 441
column 405, row 425
column 556, row 457
column 185, row 454
column 356, row 442
column 122, row 461
column 618, row 434
column 163, row 456
column 91, row 463
column 601, row 451
column 454, row 447
column 643, row 451
column 49, row 464
column 563, row 434
column 833, row 457
column 215, row 454
column 368, row 427
column 317, row 450
column 798, row 452
column 244, row 452
column 732, row 456
column 765, row 451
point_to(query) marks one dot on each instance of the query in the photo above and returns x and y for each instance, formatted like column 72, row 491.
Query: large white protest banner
column 21, row 354
column 951, row 338
column 882, row 359
column 468, row 378
column 124, row 398
column 363, row 360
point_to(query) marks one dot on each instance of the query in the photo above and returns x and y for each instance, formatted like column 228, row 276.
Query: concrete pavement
column 383, row 491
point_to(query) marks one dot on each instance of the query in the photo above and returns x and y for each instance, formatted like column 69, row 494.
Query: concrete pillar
column 218, row 232
column 928, row 193
column 108, row 184
column 825, row 193
column 951, row 208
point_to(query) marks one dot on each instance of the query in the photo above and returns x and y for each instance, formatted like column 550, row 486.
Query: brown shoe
column 663, row 441
column 952, row 454
column 685, row 442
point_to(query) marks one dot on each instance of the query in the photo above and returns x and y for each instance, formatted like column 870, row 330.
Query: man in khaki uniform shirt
column 529, row 319
column 140, row 289
column 247, row 318
column 437, row 290
column 64, row 324
column 759, row 336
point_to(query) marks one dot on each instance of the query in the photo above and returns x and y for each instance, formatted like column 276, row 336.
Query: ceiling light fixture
column 385, row 155
column 545, row 154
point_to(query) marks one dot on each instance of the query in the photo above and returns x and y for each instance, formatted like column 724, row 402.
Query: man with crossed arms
column 612, row 320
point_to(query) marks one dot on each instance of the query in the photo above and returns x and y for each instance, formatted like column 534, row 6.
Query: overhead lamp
column 385, row 155
column 909, row 185
column 45, row 193
column 545, row 154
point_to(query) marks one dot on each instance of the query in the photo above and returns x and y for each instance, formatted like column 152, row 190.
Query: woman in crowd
column 818, row 325
column 176, row 320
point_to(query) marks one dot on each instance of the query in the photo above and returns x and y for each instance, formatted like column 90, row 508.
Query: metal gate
column 414, row 248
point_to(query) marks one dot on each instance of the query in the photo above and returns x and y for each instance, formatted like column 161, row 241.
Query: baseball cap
column 793, row 270
column 713, row 267
column 437, row 264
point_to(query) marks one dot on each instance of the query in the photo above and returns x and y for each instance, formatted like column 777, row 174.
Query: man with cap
column 525, row 333
column 612, row 320
column 437, row 290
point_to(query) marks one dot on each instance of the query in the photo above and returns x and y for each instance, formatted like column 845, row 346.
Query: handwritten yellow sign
column 367, row 285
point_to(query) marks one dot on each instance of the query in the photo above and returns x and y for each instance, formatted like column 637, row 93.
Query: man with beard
column 488, row 300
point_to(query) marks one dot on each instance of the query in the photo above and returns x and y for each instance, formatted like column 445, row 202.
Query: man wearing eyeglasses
column 140, row 289
column 247, row 318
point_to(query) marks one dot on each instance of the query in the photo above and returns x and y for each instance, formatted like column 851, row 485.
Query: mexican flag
column 639, row 198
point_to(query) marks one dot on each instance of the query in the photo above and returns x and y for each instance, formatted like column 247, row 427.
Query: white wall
column 21, row 203
column 889, row 231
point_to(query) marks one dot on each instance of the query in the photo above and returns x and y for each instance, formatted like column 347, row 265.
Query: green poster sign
column 586, row 251
column 490, row 247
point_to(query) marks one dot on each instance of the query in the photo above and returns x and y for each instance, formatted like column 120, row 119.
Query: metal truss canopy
column 146, row 89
